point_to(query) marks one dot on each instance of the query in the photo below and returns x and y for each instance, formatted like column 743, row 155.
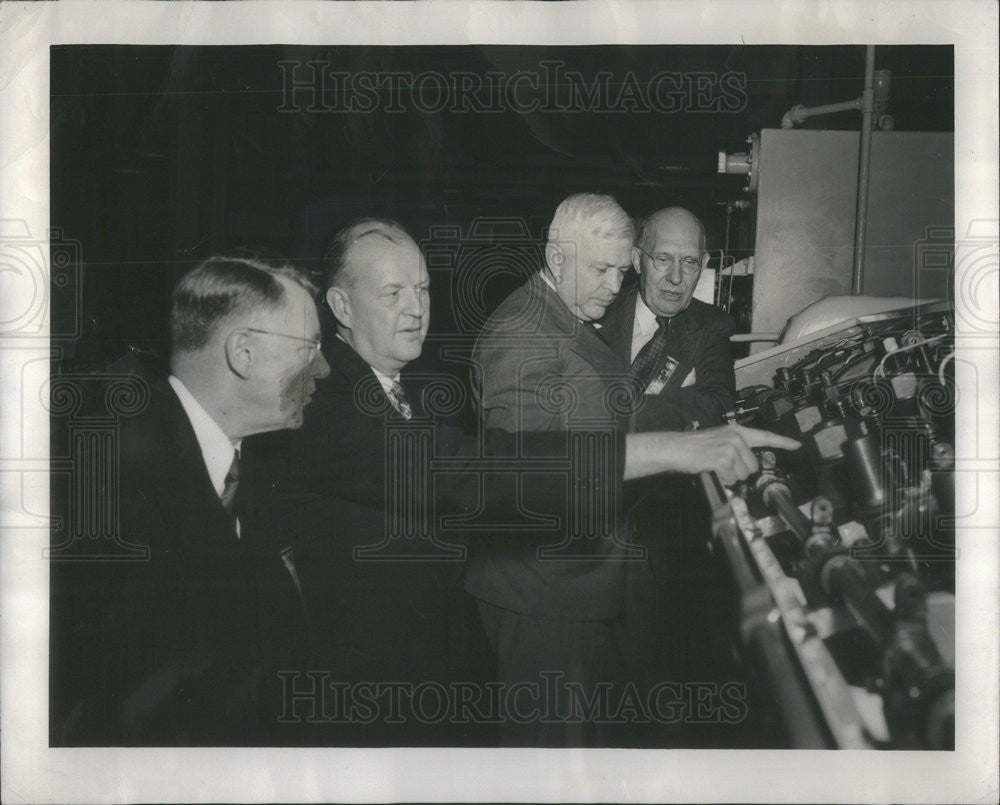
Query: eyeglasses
column 314, row 343
column 665, row 262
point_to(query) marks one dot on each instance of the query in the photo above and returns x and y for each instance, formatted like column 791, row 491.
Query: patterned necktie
column 231, row 485
column 649, row 357
column 398, row 399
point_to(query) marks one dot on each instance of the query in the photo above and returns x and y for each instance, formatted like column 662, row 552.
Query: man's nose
column 319, row 368
column 614, row 281
column 674, row 274
column 416, row 306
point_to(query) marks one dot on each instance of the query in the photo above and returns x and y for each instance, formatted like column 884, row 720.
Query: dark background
column 162, row 156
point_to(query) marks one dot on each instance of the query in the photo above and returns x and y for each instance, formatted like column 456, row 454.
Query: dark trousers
column 558, row 677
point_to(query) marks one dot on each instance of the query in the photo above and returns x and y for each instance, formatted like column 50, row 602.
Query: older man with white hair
column 549, row 596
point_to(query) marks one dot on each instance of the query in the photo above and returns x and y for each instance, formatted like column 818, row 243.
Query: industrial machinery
column 843, row 553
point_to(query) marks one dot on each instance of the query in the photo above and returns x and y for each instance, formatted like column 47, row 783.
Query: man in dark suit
column 678, row 348
column 166, row 650
column 353, row 491
column 550, row 605
column 679, row 344
column 375, row 616
column 361, row 503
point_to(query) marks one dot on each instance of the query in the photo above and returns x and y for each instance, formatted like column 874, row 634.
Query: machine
column 842, row 554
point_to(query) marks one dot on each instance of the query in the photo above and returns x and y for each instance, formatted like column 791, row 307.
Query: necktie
column 398, row 399
column 646, row 362
column 230, row 487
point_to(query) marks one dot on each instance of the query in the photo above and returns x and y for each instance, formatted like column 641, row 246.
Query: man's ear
column 554, row 259
column 704, row 259
column 340, row 304
column 239, row 352
column 636, row 259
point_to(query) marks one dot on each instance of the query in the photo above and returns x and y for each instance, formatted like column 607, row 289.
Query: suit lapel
column 618, row 323
column 586, row 343
column 189, row 473
column 682, row 342
column 348, row 371
column 589, row 346
column 554, row 309
column 682, row 338
column 168, row 479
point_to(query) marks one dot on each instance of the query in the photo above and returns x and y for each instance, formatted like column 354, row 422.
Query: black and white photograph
column 497, row 402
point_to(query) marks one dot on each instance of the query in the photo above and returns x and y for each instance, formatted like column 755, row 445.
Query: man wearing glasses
column 678, row 350
column 551, row 601
column 162, row 647
column 677, row 346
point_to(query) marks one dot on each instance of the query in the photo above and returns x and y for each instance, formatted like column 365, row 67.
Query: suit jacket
column 667, row 515
column 330, row 489
column 538, row 368
column 373, row 617
column 165, row 650
column 698, row 339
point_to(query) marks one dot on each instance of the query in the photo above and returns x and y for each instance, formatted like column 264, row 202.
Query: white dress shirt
column 385, row 381
column 644, row 326
column 217, row 450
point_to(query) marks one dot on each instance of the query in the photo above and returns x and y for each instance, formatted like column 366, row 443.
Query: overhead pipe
column 864, row 173
column 873, row 101
column 800, row 114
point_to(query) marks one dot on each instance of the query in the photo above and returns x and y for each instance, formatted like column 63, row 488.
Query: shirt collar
column 645, row 319
column 216, row 448
column 384, row 380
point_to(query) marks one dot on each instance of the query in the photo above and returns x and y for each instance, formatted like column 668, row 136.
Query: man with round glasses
column 677, row 346
column 678, row 350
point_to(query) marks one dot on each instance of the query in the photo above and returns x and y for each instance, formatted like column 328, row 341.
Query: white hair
column 590, row 214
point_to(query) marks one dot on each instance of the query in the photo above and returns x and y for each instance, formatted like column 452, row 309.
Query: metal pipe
column 843, row 579
column 725, row 251
column 799, row 114
column 864, row 174
column 778, row 499
column 768, row 647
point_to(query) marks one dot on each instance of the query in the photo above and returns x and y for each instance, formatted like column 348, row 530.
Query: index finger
column 764, row 438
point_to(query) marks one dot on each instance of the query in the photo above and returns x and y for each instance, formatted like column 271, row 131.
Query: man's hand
column 726, row 451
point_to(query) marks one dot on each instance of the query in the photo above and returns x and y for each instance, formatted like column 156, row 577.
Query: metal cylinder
column 866, row 476
column 734, row 163
column 882, row 85
column 943, row 476
column 925, row 685
column 843, row 579
column 778, row 498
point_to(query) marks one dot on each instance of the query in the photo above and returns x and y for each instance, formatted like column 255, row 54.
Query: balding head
column 669, row 256
column 677, row 217
column 351, row 248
